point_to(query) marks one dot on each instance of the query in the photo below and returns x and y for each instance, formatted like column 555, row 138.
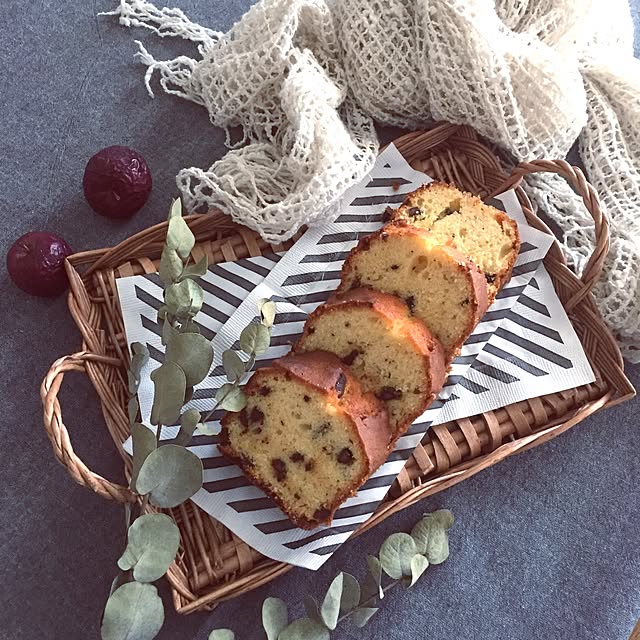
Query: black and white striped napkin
column 525, row 346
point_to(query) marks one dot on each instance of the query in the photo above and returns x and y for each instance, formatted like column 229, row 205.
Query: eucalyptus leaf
column 179, row 236
column 140, row 349
column 152, row 543
column 168, row 332
column 170, row 266
column 133, row 382
column 196, row 270
column 274, row 617
column 231, row 398
column 188, row 422
column 444, row 518
column 419, row 564
column 396, row 553
column 144, row 442
column 361, row 616
column 170, row 475
column 162, row 312
column 139, row 357
column 255, row 338
column 372, row 586
column 233, row 365
column 193, row 353
column 222, row 634
column 176, row 208
column 206, row 429
column 184, row 299
column 432, row 539
column 330, row 607
column 305, row 629
column 188, row 394
column 267, row 311
column 133, row 611
column 350, row 593
column 132, row 409
column 169, row 383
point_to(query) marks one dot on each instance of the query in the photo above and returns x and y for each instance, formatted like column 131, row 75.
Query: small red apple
column 117, row 182
column 36, row 263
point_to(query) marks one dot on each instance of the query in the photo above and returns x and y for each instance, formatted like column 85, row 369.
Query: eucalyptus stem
column 209, row 415
column 369, row 601
column 158, row 434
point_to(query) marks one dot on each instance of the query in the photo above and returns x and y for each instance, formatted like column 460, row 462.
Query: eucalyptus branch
column 167, row 474
column 402, row 557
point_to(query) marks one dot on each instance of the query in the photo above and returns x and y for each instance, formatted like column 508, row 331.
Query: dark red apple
column 36, row 263
column 117, row 182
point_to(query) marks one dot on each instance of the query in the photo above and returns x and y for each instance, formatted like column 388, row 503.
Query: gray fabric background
column 545, row 544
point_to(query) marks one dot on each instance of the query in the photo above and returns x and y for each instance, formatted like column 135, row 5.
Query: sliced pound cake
column 441, row 287
column 393, row 355
column 483, row 233
column 309, row 436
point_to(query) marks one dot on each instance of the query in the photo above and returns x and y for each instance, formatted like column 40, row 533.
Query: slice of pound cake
column 441, row 286
column 393, row 355
column 483, row 233
column 309, row 436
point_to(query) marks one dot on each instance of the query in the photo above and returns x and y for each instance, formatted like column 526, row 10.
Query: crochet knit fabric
column 305, row 80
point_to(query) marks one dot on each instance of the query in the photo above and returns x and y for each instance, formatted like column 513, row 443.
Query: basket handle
column 576, row 178
column 58, row 434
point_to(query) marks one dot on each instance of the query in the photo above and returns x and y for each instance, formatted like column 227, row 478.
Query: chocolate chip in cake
column 321, row 429
column 279, row 468
column 384, row 235
column 311, row 330
column 350, row 357
column 321, row 514
column 395, row 267
column 389, row 393
column 256, row 416
column 490, row 277
column 411, row 303
column 306, row 398
column 387, row 216
column 296, row 456
column 264, row 391
column 296, row 496
column 244, row 420
column 445, row 212
column 341, row 383
column 465, row 302
column 414, row 212
column 345, row 456
column 309, row 465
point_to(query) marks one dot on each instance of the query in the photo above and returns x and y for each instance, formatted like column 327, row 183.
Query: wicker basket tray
column 213, row 563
